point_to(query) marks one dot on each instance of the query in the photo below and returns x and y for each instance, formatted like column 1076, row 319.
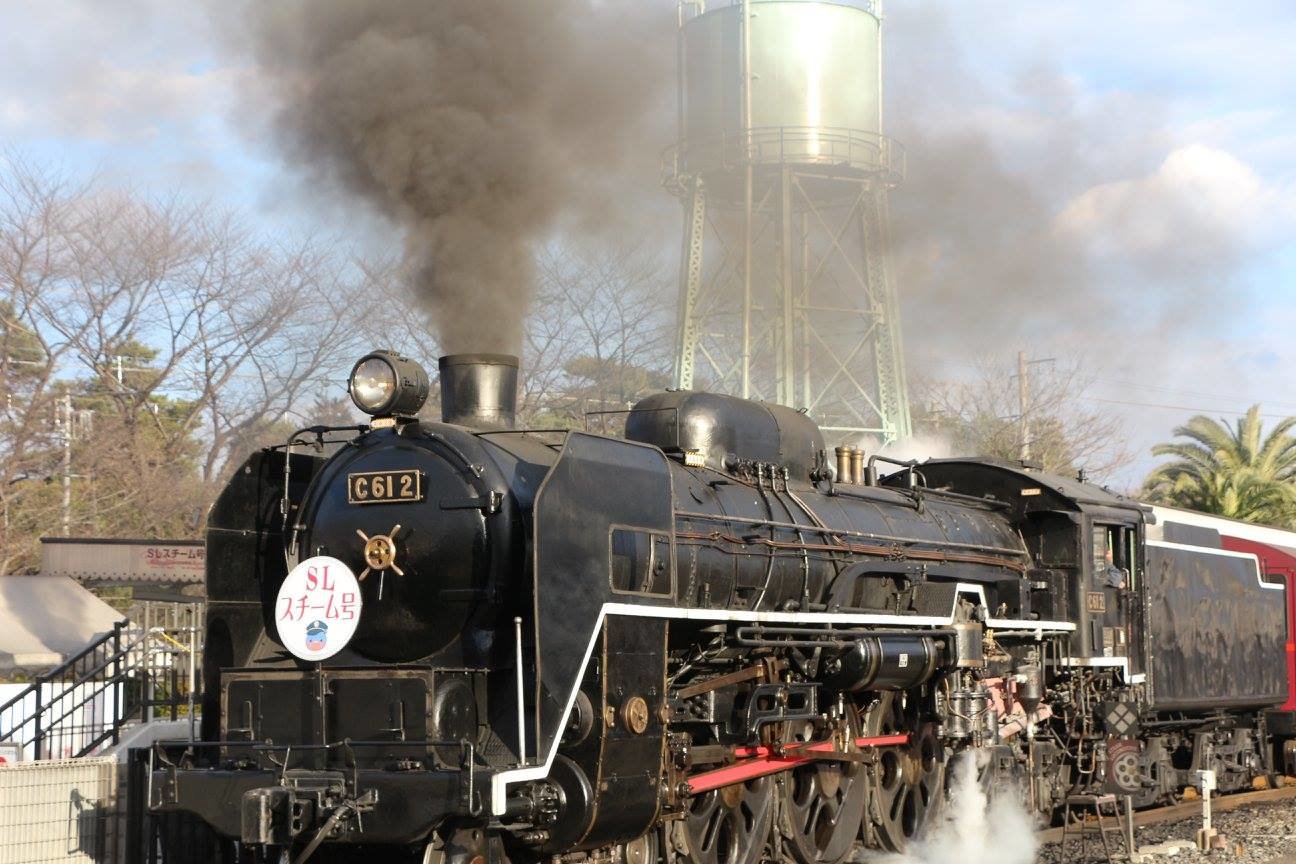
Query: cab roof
column 1026, row 487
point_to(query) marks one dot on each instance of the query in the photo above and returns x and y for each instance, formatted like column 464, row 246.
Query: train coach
column 704, row 643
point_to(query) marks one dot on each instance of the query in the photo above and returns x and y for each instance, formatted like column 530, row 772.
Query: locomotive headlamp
column 384, row 383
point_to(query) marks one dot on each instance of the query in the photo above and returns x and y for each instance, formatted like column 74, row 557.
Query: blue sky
column 1183, row 115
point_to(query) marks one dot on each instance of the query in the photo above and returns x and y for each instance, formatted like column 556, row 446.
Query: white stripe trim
column 1121, row 663
column 501, row 781
column 1226, row 553
column 1277, row 537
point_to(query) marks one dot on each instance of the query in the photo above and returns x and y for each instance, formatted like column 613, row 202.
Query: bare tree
column 600, row 335
column 33, row 208
column 147, row 344
column 277, row 336
column 980, row 415
column 180, row 338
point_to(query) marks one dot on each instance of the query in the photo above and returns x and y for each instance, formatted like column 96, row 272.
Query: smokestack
column 479, row 390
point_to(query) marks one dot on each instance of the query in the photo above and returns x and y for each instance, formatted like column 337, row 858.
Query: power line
column 1232, row 397
column 1195, row 410
column 1159, row 388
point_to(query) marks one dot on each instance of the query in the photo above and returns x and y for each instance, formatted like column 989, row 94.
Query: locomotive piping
column 876, row 551
column 842, row 532
column 521, row 700
column 502, row 780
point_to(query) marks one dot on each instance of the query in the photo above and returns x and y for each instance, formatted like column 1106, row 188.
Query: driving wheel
column 730, row 825
column 823, row 807
column 907, row 782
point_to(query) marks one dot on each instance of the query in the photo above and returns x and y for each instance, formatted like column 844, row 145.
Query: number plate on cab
column 385, row 487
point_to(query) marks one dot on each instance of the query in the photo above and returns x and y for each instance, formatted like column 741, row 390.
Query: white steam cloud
column 976, row 829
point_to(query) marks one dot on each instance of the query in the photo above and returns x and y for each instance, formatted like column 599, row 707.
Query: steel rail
column 1185, row 810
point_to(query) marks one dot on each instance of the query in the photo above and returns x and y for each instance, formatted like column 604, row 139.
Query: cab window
column 1114, row 555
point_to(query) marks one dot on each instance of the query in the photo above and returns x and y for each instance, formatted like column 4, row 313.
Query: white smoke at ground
column 975, row 828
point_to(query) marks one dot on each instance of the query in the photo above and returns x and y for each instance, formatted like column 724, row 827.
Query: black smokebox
column 479, row 390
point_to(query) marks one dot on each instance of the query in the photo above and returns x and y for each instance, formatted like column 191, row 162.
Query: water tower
column 786, row 287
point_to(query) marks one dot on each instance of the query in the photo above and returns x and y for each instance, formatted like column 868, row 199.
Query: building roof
column 46, row 619
column 99, row 561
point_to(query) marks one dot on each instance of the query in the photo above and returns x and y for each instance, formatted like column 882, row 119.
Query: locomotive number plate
column 384, row 487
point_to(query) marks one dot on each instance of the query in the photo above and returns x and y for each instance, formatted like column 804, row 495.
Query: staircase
column 133, row 673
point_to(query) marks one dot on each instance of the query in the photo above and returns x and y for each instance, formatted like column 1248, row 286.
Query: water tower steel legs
column 786, row 389
column 795, row 292
column 690, row 283
column 892, row 383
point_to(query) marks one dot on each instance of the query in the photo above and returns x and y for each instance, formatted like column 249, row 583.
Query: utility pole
column 67, row 464
column 1023, row 402
column 1023, row 409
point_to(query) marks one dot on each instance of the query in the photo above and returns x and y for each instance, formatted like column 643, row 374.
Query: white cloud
column 1198, row 193
column 81, row 70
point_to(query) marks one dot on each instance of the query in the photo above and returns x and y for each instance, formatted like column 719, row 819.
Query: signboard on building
column 124, row 562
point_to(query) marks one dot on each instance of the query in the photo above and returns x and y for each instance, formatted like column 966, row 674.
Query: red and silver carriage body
column 1274, row 553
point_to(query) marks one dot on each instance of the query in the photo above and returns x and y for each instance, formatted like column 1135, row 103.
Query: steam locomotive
column 709, row 642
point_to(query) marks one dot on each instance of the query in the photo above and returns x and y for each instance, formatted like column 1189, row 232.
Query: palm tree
column 1235, row 471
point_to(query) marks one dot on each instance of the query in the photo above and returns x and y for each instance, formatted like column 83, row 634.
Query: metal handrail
column 105, row 669
column 71, row 662
column 851, row 149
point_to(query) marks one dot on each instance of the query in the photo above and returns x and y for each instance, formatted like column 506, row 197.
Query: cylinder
column 479, row 390
column 857, row 464
column 968, row 713
column 844, row 474
column 884, row 663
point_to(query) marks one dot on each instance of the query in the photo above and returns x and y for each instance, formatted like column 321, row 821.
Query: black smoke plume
column 479, row 127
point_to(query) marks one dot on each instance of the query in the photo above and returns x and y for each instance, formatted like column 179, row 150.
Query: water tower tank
column 815, row 85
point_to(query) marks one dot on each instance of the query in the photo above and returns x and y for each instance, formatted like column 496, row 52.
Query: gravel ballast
column 1261, row 833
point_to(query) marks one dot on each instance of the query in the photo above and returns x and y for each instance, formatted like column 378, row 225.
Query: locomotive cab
column 1087, row 548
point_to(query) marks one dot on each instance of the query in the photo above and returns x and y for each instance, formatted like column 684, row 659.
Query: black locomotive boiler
column 705, row 642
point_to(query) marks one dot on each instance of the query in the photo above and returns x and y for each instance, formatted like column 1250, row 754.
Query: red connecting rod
column 764, row 760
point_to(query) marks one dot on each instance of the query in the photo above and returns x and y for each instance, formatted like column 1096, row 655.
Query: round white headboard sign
column 318, row 608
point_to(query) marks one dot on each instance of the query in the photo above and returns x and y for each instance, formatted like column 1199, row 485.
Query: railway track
column 1192, row 809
